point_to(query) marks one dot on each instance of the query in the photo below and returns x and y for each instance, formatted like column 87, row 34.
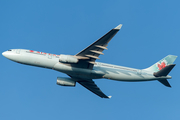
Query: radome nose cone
column 4, row 54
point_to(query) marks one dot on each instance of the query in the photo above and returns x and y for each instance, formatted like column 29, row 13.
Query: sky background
column 150, row 31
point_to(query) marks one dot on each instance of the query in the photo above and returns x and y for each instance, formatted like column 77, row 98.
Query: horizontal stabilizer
column 164, row 71
column 165, row 82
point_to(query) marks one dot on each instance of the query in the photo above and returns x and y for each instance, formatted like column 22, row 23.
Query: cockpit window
column 9, row 50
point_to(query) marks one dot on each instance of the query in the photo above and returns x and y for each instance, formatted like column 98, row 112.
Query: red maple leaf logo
column 162, row 65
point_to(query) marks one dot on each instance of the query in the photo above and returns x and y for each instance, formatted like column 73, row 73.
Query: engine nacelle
column 67, row 59
column 66, row 81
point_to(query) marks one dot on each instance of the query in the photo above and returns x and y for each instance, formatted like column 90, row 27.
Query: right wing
column 88, row 56
column 90, row 85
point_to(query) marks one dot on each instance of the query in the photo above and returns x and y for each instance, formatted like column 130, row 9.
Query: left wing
column 88, row 56
column 90, row 85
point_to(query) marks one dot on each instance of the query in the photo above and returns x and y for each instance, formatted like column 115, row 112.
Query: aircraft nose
column 8, row 54
column 4, row 54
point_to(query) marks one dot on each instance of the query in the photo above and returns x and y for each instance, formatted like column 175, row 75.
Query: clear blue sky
column 151, row 30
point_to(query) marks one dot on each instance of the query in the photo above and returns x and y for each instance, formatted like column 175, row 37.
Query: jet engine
column 65, row 81
column 67, row 59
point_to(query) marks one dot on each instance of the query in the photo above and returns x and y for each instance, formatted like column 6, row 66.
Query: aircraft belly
column 113, row 74
column 128, row 76
column 79, row 72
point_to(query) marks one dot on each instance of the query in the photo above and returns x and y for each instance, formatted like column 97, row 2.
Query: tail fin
column 162, row 68
column 164, row 72
column 162, row 63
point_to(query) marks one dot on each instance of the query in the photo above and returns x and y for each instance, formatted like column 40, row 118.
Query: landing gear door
column 18, row 51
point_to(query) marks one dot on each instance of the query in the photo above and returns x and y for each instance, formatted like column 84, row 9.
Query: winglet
column 109, row 97
column 118, row 27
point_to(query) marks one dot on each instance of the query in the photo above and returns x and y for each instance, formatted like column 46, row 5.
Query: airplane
column 82, row 68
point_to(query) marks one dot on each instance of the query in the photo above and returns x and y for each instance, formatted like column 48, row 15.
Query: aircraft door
column 18, row 51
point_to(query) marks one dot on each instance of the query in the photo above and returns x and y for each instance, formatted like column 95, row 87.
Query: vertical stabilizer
column 162, row 68
column 162, row 63
column 164, row 72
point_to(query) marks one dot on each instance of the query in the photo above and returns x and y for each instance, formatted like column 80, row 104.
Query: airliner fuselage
column 82, row 67
column 100, row 70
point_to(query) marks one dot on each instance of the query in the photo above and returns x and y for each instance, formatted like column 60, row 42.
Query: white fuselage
column 100, row 70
